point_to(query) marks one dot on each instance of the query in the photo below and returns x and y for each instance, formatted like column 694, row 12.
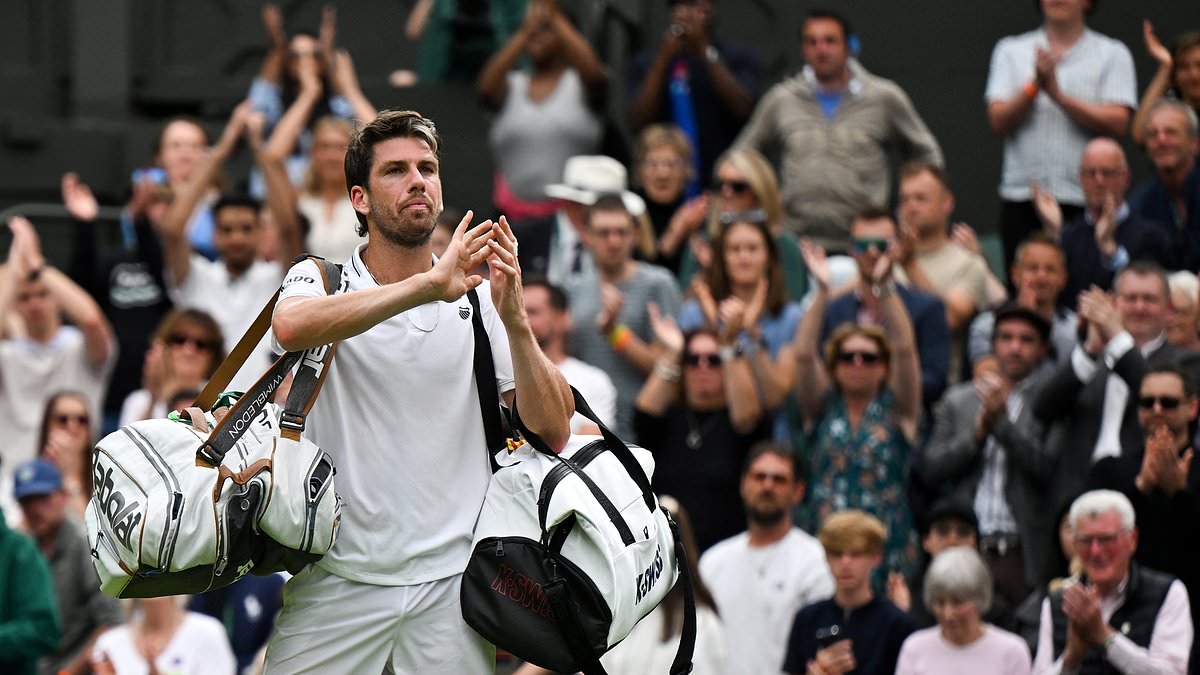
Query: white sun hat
column 586, row 178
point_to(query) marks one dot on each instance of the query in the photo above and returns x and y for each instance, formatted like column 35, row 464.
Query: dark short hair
column 608, row 202
column 829, row 14
column 1176, row 369
column 778, row 449
column 558, row 298
column 360, row 153
column 1014, row 312
column 874, row 212
column 235, row 201
column 1038, row 238
column 1143, row 268
column 919, row 166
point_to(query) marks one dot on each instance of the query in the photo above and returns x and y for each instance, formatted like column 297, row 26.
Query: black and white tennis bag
column 191, row 503
column 572, row 550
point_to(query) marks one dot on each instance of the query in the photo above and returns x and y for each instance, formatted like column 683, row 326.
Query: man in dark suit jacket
column 1109, row 234
column 1162, row 481
column 1092, row 400
column 988, row 448
column 872, row 232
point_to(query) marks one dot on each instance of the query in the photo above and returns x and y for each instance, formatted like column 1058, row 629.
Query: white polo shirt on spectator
column 759, row 589
column 234, row 302
column 198, row 647
column 30, row 372
column 400, row 415
column 1046, row 148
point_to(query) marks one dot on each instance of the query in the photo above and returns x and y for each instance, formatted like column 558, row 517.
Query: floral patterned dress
column 863, row 468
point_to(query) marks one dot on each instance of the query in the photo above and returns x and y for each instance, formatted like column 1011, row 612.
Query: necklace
column 696, row 430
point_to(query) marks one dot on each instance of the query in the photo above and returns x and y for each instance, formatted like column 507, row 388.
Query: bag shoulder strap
column 614, row 444
column 485, row 383
column 251, row 404
column 687, row 635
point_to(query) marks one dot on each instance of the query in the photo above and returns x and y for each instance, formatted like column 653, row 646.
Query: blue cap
column 36, row 478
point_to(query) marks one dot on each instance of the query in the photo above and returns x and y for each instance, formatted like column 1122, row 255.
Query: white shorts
column 332, row 625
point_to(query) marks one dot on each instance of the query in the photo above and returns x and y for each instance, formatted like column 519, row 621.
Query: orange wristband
column 620, row 338
column 1030, row 89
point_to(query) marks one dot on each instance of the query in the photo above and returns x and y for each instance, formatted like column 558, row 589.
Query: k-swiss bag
column 190, row 503
column 572, row 550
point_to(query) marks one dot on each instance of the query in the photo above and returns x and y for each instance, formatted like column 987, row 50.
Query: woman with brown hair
column 185, row 351
column 66, row 438
column 742, row 297
column 861, row 402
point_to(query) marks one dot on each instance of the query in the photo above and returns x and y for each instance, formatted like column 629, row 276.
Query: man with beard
column 987, row 445
column 550, row 320
column 763, row 576
column 400, row 414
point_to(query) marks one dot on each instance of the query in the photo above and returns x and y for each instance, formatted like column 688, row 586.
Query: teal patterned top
column 864, row 468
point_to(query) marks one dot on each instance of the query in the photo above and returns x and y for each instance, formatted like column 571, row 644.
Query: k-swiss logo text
column 123, row 515
column 524, row 591
column 647, row 579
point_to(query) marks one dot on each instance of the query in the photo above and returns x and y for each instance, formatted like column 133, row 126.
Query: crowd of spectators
column 895, row 457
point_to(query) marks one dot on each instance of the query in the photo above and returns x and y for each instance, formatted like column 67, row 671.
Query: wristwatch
column 883, row 290
column 711, row 54
column 728, row 353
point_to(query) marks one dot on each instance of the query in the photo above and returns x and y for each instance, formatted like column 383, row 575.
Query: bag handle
column 306, row 384
column 614, row 444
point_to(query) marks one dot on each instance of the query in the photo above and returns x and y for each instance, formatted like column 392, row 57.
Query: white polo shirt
column 234, row 302
column 400, row 415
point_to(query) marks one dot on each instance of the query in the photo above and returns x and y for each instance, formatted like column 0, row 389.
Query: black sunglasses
column 180, row 340
column 738, row 187
column 1165, row 402
column 66, row 419
column 868, row 358
column 710, row 360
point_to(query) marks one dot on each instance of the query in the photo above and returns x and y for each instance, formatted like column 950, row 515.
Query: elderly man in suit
column 988, row 447
column 1092, row 400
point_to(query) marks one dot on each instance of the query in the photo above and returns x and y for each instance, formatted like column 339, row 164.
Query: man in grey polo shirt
column 84, row 611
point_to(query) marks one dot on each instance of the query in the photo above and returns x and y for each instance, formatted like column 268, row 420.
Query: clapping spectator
column 1049, row 91
column 1178, row 71
column 234, row 287
column 126, row 281
column 179, row 148
column 742, row 298
column 185, row 350
column 705, row 86
column 860, row 399
column 279, row 84
column 543, row 116
column 663, row 167
column 66, row 441
column 744, row 182
column 50, row 356
column 1103, row 239
column 958, row 590
column 323, row 199
column 697, row 412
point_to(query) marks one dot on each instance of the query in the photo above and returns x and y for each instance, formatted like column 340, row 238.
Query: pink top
column 926, row 652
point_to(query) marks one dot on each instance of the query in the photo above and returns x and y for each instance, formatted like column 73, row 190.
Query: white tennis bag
column 191, row 503
column 571, row 551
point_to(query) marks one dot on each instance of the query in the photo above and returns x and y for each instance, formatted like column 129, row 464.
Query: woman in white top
column 161, row 638
column 958, row 590
column 543, row 116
